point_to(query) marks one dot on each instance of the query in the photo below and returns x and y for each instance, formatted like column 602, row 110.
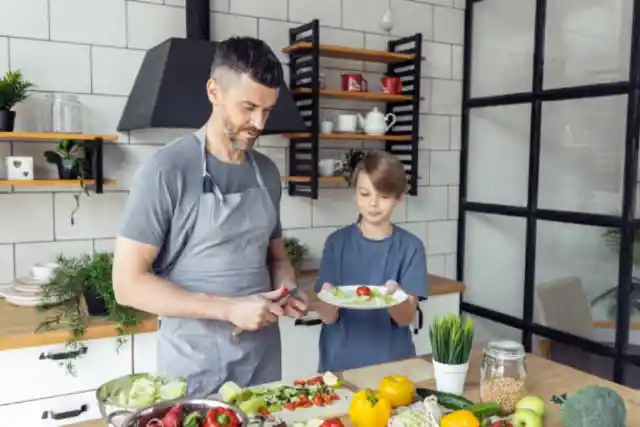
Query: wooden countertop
column 544, row 379
column 18, row 324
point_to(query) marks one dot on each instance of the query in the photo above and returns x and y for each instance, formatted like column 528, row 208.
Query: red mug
column 354, row 83
column 391, row 85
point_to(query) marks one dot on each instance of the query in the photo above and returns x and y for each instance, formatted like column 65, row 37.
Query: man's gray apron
column 224, row 255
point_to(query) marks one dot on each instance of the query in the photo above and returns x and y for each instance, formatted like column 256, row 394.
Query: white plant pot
column 450, row 378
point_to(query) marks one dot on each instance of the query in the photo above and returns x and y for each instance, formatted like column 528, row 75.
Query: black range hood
column 170, row 88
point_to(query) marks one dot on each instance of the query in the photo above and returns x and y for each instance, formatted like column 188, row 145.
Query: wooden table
column 544, row 379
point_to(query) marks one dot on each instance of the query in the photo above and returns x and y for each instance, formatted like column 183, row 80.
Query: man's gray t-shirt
column 163, row 200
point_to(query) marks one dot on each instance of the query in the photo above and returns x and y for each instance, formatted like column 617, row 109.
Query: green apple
column 526, row 418
column 533, row 403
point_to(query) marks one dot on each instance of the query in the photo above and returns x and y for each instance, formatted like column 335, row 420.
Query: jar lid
column 504, row 349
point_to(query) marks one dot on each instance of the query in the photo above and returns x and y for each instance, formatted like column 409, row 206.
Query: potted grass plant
column 451, row 338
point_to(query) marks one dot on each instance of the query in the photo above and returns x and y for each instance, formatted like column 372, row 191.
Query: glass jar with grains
column 503, row 374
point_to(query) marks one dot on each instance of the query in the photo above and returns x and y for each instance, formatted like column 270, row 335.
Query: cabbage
column 139, row 390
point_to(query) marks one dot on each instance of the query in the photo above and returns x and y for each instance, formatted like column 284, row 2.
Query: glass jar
column 67, row 113
column 503, row 374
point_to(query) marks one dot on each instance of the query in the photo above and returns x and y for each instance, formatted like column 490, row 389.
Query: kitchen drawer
column 55, row 411
column 144, row 352
column 38, row 372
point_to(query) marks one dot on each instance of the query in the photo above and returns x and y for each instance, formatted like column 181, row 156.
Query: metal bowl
column 109, row 408
column 142, row 416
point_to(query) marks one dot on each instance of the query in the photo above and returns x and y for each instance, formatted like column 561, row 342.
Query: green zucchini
column 484, row 410
column 447, row 400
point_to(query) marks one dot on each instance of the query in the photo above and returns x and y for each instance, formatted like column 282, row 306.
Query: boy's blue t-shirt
column 366, row 337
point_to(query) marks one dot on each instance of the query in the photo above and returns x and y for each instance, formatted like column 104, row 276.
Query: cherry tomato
column 363, row 291
column 334, row 422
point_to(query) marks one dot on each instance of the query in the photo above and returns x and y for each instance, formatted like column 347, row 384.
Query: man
column 201, row 242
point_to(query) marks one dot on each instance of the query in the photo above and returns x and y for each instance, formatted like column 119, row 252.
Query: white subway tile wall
column 62, row 47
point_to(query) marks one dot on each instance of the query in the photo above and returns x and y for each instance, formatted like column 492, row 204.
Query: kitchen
column 40, row 232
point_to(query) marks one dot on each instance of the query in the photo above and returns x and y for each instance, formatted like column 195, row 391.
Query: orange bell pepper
column 398, row 389
column 368, row 409
column 462, row 418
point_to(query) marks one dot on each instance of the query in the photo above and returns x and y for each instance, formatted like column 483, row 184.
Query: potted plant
column 84, row 286
column 71, row 159
column 451, row 340
column 296, row 252
column 14, row 88
column 610, row 296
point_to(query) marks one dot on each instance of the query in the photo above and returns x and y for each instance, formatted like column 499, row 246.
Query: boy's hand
column 328, row 313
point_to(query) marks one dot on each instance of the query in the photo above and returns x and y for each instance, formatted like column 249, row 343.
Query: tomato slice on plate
column 363, row 291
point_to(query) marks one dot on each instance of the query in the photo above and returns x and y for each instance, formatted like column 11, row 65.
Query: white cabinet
column 39, row 372
column 300, row 346
column 52, row 412
column 434, row 306
column 144, row 352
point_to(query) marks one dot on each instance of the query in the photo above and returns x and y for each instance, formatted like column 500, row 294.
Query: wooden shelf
column 350, row 136
column 308, row 179
column 343, row 52
column 321, row 179
column 362, row 96
column 52, row 136
column 51, row 182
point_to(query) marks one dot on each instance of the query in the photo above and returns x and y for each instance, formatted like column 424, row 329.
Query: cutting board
column 338, row 409
column 417, row 370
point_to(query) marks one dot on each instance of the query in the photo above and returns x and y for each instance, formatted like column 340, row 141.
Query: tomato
column 363, row 291
column 290, row 406
column 334, row 422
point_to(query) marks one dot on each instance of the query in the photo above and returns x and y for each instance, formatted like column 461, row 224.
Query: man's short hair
column 248, row 55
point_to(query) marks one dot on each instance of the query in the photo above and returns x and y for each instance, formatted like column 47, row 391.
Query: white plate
column 32, row 281
column 354, row 302
column 17, row 298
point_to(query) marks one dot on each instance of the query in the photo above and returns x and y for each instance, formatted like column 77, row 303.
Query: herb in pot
column 296, row 251
column 14, row 88
column 84, row 286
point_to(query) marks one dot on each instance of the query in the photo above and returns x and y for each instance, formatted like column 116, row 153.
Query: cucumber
column 484, row 410
column 447, row 400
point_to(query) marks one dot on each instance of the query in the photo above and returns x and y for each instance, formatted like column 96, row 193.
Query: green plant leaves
column 451, row 338
column 13, row 89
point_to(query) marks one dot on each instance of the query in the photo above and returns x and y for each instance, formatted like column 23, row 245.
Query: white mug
column 44, row 271
column 326, row 126
column 328, row 167
column 347, row 122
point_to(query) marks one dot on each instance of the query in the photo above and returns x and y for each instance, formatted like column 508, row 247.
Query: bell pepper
column 368, row 409
column 399, row 390
column 461, row 418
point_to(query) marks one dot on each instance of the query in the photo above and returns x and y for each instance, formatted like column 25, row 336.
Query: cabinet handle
column 310, row 322
column 420, row 322
column 64, row 415
column 63, row 356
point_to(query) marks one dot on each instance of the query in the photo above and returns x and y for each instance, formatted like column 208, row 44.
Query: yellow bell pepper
column 368, row 409
column 399, row 390
column 462, row 418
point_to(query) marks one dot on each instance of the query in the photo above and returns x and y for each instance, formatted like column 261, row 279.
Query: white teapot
column 376, row 123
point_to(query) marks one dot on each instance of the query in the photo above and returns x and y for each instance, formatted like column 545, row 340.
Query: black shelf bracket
column 304, row 67
column 304, row 72
column 98, row 164
column 408, row 112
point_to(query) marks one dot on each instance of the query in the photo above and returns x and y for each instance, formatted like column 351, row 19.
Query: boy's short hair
column 385, row 171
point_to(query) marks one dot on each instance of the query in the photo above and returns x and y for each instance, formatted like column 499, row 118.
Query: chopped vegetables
column 215, row 417
column 372, row 297
column 267, row 400
column 140, row 390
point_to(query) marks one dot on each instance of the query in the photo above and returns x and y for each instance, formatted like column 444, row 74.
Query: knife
column 282, row 299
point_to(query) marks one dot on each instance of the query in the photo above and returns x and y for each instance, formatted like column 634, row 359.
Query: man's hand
column 297, row 306
column 253, row 312
column 328, row 313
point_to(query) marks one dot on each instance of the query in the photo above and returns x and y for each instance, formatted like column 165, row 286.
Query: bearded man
column 200, row 243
